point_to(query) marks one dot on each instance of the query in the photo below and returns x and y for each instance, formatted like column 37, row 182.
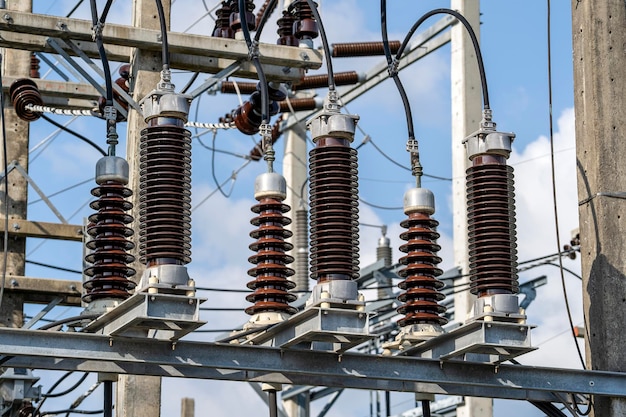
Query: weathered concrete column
column 599, row 41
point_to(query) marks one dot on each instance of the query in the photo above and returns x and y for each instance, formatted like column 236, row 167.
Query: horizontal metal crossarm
column 97, row 353
column 147, row 39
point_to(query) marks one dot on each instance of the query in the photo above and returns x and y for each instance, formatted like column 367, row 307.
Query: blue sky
column 514, row 47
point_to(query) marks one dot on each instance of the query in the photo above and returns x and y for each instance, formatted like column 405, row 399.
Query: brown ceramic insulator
column 222, row 22
column 259, row 14
column 228, row 87
column 34, row 66
column 271, row 286
column 334, row 210
column 321, row 81
column 304, row 25
column 165, row 196
column 109, row 259
column 298, row 104
column 249, row 116
column 235, row 22
column 421, row 287
column 285, row 30
column 491, row 226
column 351, row 49
column 247, row 119
column 23, row 92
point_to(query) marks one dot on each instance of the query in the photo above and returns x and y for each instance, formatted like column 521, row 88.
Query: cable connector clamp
column 392, row 69
column 253, row 51
column 110, row 113
column 412, row 146
column 96, row 30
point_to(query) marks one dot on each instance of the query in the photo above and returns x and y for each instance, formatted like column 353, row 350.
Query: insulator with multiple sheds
column 420, row 287
column 334, row 253
column 165, row 196
column 304, row 27
column 490, row 218
column 271, row 296
column 222, row 22
column 24, row 92
column 321, row 80
column 301, row 225
column 249, row 116
column 109, row 244
column 165, row 192
column 285, row 30
column 34, row 66
column 491, row 224
column 306, row 83
column 122, row 82
column 235, row 21
column 353, row 49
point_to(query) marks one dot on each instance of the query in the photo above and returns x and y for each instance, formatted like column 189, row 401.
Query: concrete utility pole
column 466, row 116
column 15, row 63
column 140, row 396
column 187, row 407
column 600, row 102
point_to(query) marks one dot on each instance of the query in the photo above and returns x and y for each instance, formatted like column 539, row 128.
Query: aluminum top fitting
column 489, row 143
column 270, row 184
column 334, row 124
column 112, row 168
column 165, row 104
column 419, row 200
column 383, row 242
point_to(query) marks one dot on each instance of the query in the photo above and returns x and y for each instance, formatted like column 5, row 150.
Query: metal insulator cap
column 419, row 200
column 270, row 184
column 383, row 242
column 112, row 168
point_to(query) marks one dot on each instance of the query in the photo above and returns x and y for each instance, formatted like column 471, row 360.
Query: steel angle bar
column 100, row 72
column 226, row 72
column 52, row 65
column 45, row 198
column 54, row 43
column 88, row 352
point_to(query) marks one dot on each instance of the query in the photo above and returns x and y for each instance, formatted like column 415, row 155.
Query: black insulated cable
column 108, row 399
column 393, row 71
column 264, row 18
column 165, row 50
column 78, row 135
column 265, row 101
column 474, row 39
column 273, row 403
column 325, row 45
column 425, row 408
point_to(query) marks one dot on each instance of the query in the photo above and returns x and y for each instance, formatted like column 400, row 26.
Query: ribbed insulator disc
column 109, row 259
column 165, row 196
column 334, row 211
column 24, row 92
column 421, row 295
column 491, row 225
column 363, row 49
column 270, row 285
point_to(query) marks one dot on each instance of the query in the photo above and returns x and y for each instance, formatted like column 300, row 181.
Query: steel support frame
column 141, row 356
